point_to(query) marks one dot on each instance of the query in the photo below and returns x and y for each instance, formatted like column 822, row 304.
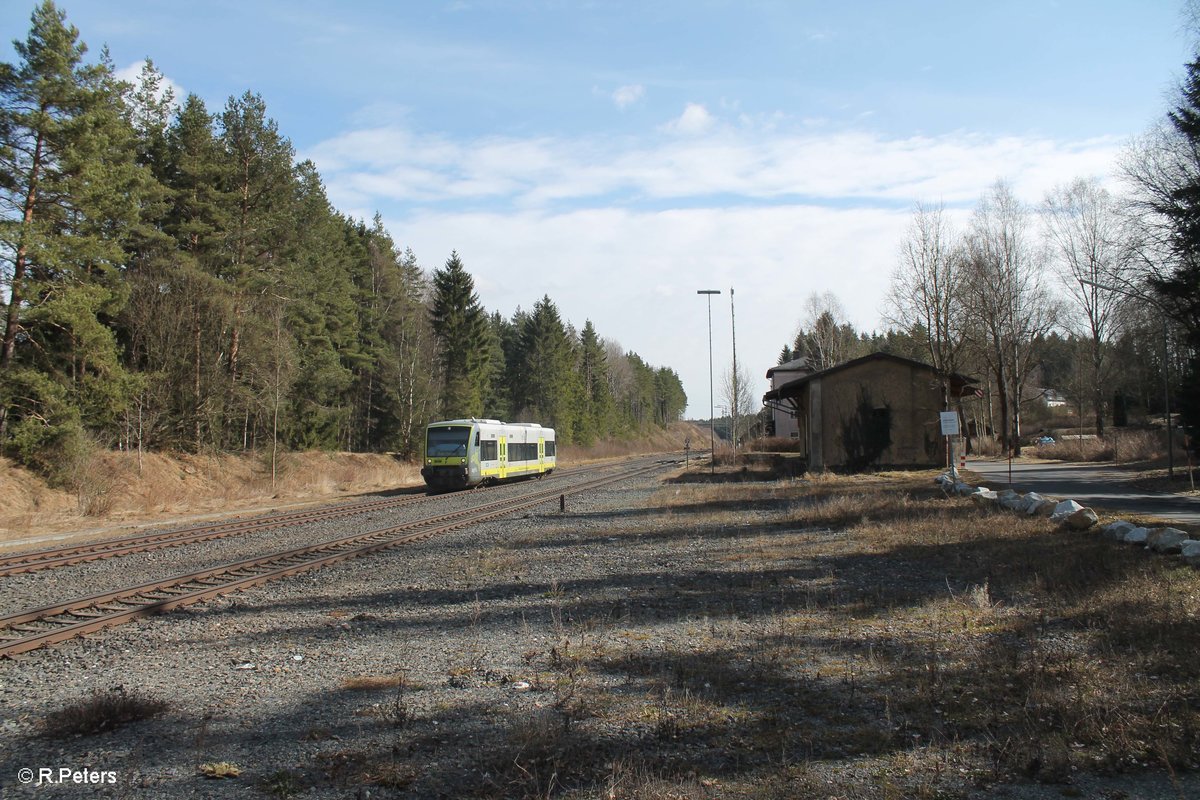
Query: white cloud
column 762, row 164
column 694, row 120
column 622, row 231
column 626, row 96
column 634, row 274
column 133, row 74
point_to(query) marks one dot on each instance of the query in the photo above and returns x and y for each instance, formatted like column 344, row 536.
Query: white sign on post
column 949, row 423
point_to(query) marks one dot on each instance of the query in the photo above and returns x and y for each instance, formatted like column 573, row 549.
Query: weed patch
column 103, row 711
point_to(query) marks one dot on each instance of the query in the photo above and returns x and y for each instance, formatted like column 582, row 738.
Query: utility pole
column 737, row 389
column 712, row 436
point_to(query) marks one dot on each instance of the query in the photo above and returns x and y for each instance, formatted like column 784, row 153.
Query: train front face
column 451, row 456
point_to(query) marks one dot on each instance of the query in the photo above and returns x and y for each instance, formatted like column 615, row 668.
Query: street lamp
column 736, row 399
column 1166, row 368
column 712, row 436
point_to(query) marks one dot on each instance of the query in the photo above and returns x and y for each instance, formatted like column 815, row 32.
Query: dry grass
column 1119, row 446
column 654, row 440
column 880, row 640
column 777, row 444
column 371, row 683
column 835, row 637
column 102, row 711
column 123, row 488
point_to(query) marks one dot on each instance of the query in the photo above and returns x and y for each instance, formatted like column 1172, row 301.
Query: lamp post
column 1166, row 369
column 737, row 389
column 712, row 436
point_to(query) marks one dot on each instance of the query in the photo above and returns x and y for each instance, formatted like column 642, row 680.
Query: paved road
column 1098, row 486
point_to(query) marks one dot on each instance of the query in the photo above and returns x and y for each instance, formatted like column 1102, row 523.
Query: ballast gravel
column 275, row 684
column 448, row 668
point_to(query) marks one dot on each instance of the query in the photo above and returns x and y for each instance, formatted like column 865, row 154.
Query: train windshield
column 448, row 441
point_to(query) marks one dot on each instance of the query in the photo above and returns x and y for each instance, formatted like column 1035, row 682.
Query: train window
column 487, row 450
column 449, row 441
column 550, row 449
column 477, row 438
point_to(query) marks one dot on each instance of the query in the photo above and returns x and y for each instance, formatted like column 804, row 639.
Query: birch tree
column 926, row 292
column 1008, row 300
column 1094, row 252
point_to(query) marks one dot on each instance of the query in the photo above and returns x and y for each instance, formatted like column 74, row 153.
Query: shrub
column 103, row 711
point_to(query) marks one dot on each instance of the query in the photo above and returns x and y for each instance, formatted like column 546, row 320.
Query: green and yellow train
column 472, row 452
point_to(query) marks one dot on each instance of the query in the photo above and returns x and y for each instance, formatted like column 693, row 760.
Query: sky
column 620, row 156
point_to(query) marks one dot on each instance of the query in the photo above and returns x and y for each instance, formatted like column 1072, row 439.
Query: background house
column 782, row 418
column 876, row 411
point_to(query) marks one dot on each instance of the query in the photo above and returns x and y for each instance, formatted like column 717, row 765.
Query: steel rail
column 19, row 563
column 50, row 558
column 95, row 612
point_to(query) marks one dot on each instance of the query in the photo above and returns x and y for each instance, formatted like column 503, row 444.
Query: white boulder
column 1063, row 510
column 1166, row 540
column 1136, row 536
column 1081, row 520
column 1011, row 500
column 1036, row 505
column 984, row 497
column 1115, row 531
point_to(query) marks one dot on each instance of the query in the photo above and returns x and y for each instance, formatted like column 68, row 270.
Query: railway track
column 51, row 558
column 29, row 630
column 19, row 563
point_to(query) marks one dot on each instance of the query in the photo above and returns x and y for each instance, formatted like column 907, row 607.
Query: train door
column 503, row 457
column 541, row 455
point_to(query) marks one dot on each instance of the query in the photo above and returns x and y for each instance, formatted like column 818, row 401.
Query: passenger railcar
column 469, row 452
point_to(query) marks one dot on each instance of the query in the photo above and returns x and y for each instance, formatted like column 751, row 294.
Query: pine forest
column 173, row 278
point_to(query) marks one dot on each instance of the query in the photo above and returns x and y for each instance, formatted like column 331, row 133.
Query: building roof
column 958, row 383
column 795, row 365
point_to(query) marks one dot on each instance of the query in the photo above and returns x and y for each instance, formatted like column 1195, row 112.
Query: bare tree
column 1095, row 252
column 1163, row 168
column 926, row 290
column 823, row 332
column 736, row 392
column 1007, row 298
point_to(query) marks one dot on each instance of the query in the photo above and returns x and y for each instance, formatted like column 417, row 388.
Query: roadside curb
column 1070, row 515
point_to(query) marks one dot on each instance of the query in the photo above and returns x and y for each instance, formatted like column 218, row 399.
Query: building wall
column 912, row 398
column 786, row 426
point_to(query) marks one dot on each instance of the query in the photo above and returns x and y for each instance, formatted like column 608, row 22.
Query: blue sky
column 618, row 156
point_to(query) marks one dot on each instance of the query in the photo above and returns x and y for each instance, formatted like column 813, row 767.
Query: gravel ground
column 256, row 679
column 500, row 633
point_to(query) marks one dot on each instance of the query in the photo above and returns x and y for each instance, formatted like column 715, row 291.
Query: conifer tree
column 198, row 220
column 596, row 407
column 317, row 294
column 463, row 336
column 546, row 389
column 257, row 165
column 70, row 196
column 504, row 338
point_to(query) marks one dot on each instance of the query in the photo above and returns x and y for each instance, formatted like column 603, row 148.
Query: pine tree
column 596, row 405
column 70, row 199
column 316, row 292
column 546, row 390
column 198, row 219
column 463, row 336
column 261, row 190
column 504, row 338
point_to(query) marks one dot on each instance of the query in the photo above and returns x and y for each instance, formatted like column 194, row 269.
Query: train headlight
column 462, row 461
